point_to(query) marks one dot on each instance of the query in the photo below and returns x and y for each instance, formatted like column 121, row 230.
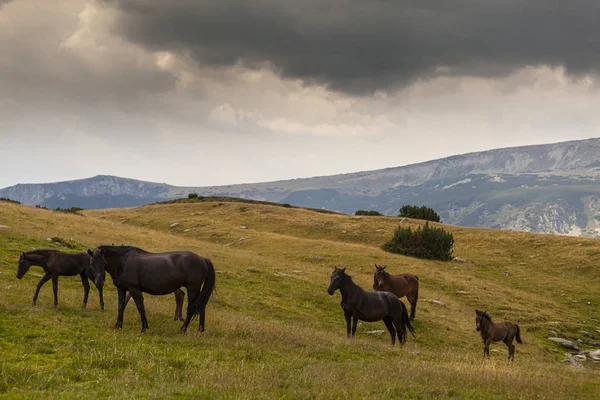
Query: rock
column 173, row 225
column 580, row 341
column 594, row 343
column 462, row 292
column 375, row 332
column 595, row 355
column 243, row 227
column 554, row 333
column 187, row 230
column 219, row 272
column 297, row 271
column 439, row 303
column 280, row 274
column 579, row 357
column 459, row 260
column 403, row 220
column 585, row 333
column 565, row 343
column 4, row 227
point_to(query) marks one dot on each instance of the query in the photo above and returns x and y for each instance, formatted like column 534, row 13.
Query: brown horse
column 497, row 331
column 401, row 285
column 359, row 304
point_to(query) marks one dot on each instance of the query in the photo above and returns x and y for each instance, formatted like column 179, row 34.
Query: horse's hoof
column 143, row 330
column 118, row 326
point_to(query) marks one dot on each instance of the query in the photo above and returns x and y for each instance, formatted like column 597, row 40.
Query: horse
column 401, row 285
column 497, row 331
column 359, row 304
column 55, row 263
column 139, row 271
column 179, row 297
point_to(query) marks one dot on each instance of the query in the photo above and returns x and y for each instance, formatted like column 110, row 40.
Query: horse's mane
column 486, row 316
column 42, row 251
column 121, row 250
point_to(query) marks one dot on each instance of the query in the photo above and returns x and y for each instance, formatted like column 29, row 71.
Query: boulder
column 565, row 343
column 173, row 225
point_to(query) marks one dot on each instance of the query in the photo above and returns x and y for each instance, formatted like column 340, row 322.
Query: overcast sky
column 220, row 92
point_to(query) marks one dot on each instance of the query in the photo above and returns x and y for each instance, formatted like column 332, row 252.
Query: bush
column 426, row 242
column 193, row 196
column 372, row 213
column 72, row 210
column 42, row 207
column 417, row 212
column 9, row 200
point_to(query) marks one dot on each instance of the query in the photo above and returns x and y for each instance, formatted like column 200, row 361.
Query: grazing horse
column 359, row 304
column 401, row 285
column 138, row 271
column 55, row 263
column 497, row 331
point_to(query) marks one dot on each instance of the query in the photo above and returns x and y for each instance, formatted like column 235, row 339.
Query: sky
column 220, row 92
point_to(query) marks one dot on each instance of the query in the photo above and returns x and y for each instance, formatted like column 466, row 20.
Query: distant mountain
column 549, row 188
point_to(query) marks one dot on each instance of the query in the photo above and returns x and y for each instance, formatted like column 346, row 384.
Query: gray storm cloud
column 359, row 46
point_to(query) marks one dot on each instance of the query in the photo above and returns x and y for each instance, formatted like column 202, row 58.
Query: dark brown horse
column 55, row 263
column 138, row 271
column 497, row 331
column 401, row 285
column 359, row 304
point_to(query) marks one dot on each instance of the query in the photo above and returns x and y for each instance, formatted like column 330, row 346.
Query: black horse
column 55, row 263
column 138, row 271
column 359, row 304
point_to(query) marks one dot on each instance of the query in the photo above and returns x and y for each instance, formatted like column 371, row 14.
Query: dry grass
column 271, row 336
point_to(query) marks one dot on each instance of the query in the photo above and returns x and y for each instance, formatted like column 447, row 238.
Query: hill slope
column 547, row 188
column 272, row 330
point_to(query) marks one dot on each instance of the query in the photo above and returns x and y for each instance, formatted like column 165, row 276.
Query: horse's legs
column 192, row 296
column 511, row 349
column 121, row 293
column 486, row 348
column 101, row 296
column 139, row 302
column 44, row 279
column 390, row 327
column 86, row 288
column 127, row 298
column 354, row 324
column 55, row 289
column 412, row 299
column 179, row 297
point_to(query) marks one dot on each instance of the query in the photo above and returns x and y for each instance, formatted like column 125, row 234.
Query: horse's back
column 70, row 264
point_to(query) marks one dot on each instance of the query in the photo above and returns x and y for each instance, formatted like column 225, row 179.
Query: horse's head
column 336, row 278
column 98, row 265
column 24, row 265
column 479, row 317
column 379, row 277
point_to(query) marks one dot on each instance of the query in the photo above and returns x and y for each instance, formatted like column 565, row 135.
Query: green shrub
column 372, row 213
column 72, row 210
column 426, row 242
column 193, row 196
column 42, row 207
column 417, row 212
column 9, row 200
column 287, row 205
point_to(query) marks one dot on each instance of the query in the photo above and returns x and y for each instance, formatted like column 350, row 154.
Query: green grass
column 272, row 336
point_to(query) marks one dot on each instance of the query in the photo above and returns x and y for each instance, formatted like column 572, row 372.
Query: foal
column 497, row 331
column 55, row 263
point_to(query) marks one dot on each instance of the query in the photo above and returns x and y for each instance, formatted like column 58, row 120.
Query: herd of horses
column 135, row 271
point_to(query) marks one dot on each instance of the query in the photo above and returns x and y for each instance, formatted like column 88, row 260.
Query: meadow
column 272, row 331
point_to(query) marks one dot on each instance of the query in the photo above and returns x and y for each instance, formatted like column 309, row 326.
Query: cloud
column 358, row 46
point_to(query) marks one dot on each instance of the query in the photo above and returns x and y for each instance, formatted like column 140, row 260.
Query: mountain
column 550, row 188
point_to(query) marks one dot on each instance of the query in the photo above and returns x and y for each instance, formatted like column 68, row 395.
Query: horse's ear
column 90, row 252
column 383, row 267
column 344, row 270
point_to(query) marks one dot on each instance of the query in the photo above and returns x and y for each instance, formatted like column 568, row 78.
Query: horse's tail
column 518, row 334
column 416, row 277
column 404, row 324
column 207, row 288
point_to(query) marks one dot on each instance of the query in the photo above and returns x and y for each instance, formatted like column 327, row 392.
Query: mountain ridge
column 548, row 188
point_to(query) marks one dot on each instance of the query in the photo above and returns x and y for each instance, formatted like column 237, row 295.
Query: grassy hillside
column 272, row 330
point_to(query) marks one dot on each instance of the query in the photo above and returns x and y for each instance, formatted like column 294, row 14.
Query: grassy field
column 272, row 331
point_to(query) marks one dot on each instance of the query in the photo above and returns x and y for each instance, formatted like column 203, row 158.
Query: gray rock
column 173, row 225
column 375, row 332
column 595, row 355
column 280, row 274
column 243, row 227
column 585, row 333
column 459, row 260
column 403, row 220
column 579, row 357
column 565, row 343
column 4, row 227
column 439, row 303
column 554, row 333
